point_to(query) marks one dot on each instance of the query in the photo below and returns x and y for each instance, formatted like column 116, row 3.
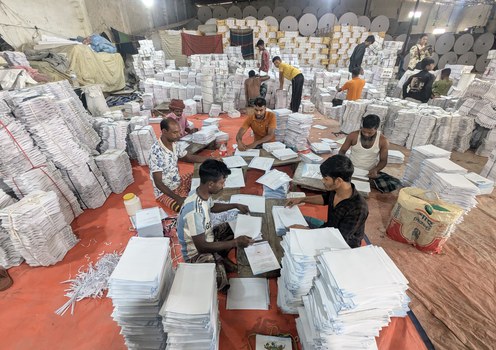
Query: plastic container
column 223, row 150
column 132, row 203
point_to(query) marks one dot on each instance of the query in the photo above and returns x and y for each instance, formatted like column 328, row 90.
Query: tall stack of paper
column 299, row 264
column 282, row 122
column 272, row 146
column 446, row 130
column 436, row 165
column 37, row 228
column 248, row 294
column 456, row 189
column 142, row 139
column 353, row 298
column 190, row 314
column 402, row 126
column 298, row 130
column 274, row 179
column 395, row 157
column 9, row 255
column 351, row 119
column 489, row 170
column 462, row 140
column 284, row 154
column 286, row 217
column 138, row 288
column 421, row 129
column 417, row 156
column 277, row 193
column 6, row 199
column 116, row 169
column 204, row 136
column 211, row 121
column 112, row 133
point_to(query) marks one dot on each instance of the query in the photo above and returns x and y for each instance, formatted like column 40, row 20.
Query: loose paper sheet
column 261, row 258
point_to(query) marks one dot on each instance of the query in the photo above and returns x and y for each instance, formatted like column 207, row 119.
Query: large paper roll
column 323, row 10
column 447, row 58
column 468, row 59
column 307, row 25
column 401, row 37
column 289, row 24
column 310, row 9
column 481, row 64
column 211, row 21
column 388, row 37
column 294, row 11
column 250, row 11
column 279, row 13
column 193, row 25
column 327, row 21
column 264, row 12
column 235, row 12
column 483, row 43
column 219, row 12
column 380, row 24
column 348, row 19
column 406, row 61
column 463, row 44
column 272, row 21
column 435, row 57
column 364, row 21
column 444, row 43
column 204, row 13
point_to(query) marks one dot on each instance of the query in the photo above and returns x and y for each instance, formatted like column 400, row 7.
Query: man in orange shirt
column 354, row 86
column 263, row 124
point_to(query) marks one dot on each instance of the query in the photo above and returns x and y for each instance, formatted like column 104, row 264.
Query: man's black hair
column 166, row 123
column 446, row 72
column 425, row 62
column 337, row 166
column 355, row 72
column 213, row 170
column 260, row 102
column 371, row 121
column 276, row 58
column 260, row 42
column 370, row 39
column 251, row 73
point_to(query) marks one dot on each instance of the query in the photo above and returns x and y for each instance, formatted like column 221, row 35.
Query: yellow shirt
column 288, row 71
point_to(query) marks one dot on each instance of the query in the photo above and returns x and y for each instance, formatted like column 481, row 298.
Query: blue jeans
column 313, row 222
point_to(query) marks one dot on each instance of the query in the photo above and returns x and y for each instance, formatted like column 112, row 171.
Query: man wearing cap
column 177, row 107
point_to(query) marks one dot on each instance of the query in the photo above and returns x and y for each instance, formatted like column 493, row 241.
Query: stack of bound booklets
column 116, row 169
column 417, row 156
column 142, row 139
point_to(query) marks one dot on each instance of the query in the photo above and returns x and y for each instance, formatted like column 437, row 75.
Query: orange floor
column 28, row 319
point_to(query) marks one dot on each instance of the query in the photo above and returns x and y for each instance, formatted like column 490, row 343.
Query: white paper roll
column 444, row 43
column 264, row 11
column 323, row 10
column 327, row 21
column 380, row 24
column 468, row 59
column 388, row 38
column 279, row 13
column 481, row 64
column 250, row 11
column 406, row 61
column 435, row 57
column 193, row 25
column 483, row 43
column 272, row 21
column 235, row 12
column 448, row 58
column 204, row 13
column 463, row 44
column 401, row 37
column 289, row 23
column 294, row 11
column 219, row 12
column 348, row 19
column 307, row 24
column 310, row 9
column 211, row 21
column 364, row 21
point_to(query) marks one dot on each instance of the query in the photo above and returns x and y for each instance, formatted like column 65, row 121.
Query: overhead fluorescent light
column 147, row 3
column 439, row 31
column 417, row 14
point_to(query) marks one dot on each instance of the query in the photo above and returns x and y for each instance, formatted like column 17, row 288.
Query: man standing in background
column 265, row 60
column 294, row 74
column 358, row 53
column 353, row 87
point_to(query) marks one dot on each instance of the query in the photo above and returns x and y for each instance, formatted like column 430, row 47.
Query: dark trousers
column 297, row 86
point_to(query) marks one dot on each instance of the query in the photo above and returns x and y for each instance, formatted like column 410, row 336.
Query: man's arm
column 281, row 80
column 157, row 179
column 267, row 138
column 239, row 138
column 347, row 143
column 246, row 92
column 383, row 157
column 202, row 246
column 264, row 78
column 319, row 200
column 220, row 207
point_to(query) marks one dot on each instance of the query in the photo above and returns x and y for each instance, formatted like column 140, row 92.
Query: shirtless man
column 254, row 87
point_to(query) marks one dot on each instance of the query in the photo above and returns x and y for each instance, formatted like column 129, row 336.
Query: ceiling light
column 439, row 31
column 417, row 14
column 147, row 3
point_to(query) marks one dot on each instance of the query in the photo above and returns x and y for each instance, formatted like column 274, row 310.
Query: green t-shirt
column 441, row 87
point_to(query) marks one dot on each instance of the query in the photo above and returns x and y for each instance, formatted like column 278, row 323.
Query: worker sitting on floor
column 177, row 107
column 419, row 86
column 354, row 86
column 346, row 208
column 169, row 188
column 297, row 81
column 441, row 87
column 369, row 151
column 263, row 124
column 254, row 87
column 200, row 242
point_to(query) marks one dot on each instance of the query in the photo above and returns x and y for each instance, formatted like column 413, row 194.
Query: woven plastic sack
column 420, row 218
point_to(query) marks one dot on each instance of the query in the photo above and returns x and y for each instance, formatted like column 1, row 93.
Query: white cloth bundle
column 116, row 169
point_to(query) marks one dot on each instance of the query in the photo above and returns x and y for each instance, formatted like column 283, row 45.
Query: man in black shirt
column 346, row 208
column 357, row 55
column 419, row 86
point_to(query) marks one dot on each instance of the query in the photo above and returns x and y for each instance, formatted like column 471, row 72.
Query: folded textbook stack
column 116, row 169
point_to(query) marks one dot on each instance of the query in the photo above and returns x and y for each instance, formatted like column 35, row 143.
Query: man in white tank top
column 369, row 151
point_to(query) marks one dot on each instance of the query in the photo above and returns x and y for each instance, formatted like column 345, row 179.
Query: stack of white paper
column 417, row 156
column 278, row 193
column 489, row 169
column 274, row 179
column 113, row 133
column 204, row 136
column 282, row 122
column 272, row 146
column 190, row 314
column 362, row 187
column 256, row 204
column 284, row 154
column 248, row 294
column 142, row 139
column 485, row 186
column 6, row 199
column 462, row 140
column 455, row 189
column 285, row 217
column 299, row 264
column 320, row 147
column 311, row 158
column 261, row 163
column 138, row 287
column 395, row 157
column 261, row 258
column 351, row 118
column 312, row 171
column 234, row 162
column 436, row 165
column 402, row 126
column 116, row 169
column 298, row 130
column 247, row 225
column 236, row 179
column 9, row 255
column 421, row 129
column 38, row 229
column 353, row 298
column 211, row 121
column 248, row 153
